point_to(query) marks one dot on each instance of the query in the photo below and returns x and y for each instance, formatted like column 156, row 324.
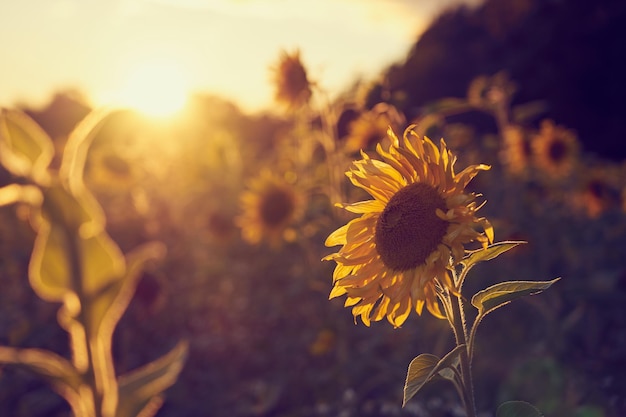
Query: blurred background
column 242, row 117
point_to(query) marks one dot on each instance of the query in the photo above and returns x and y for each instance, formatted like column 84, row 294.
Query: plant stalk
column 460, row 334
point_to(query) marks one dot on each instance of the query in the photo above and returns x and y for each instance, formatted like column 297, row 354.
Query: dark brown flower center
column 276, row 206
column 557, row 150
column 408, row 229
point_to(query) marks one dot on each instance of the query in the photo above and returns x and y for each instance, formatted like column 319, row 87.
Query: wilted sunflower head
column 396, row 257
column 555, row 150
column 292, row 84
column 270, row 206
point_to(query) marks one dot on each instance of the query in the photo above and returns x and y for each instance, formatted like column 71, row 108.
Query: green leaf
column 425, row 367
column 16, row 193
column 25, row 149
column 448, row 105
column 72, row 252
column 417, row 375
column 517, row 409
column 55, row 369
column 525, row 112
column 78, row 143
column 107, row 305
column 139, row 390
column 490, row 252
column 503, row 293
column 70, row 211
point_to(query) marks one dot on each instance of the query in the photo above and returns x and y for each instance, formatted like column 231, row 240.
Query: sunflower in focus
column 396, row 257
column 290, row 78
column 270, row 207
column 555, row 150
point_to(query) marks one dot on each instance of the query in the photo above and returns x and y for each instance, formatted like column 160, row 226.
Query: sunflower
column 515, row 152
column 370, row 128
column 270, row 206
column 292, row 84
column 397, row 256
column 599, row 190
column 555, row 150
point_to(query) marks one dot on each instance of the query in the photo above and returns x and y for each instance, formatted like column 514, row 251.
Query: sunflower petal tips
column 488, row 230
column 337, row 291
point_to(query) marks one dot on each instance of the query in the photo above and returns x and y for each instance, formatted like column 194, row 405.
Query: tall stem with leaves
column 456, row 366
column 76, row 263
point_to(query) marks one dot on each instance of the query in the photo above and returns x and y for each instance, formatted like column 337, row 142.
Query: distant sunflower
column 397, row 255
column 270, row 207
column 291, row 81
column 515, row 151
column 555, row 150
column 370, row 128
column 599, row 190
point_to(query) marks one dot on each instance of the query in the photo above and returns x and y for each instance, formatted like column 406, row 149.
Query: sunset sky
column 143, row 52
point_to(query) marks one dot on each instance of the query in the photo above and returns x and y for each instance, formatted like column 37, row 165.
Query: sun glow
column 156, row 89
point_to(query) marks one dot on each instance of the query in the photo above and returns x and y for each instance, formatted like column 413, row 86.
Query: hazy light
column 156, row 89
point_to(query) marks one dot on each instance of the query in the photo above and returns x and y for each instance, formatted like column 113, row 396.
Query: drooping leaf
column 503, row 293
column 69, row 211
column 139, row 388
column 25, row 149
column 55, row 369
column 448, row 106
column 50, row 270
column 517, row 409
column 78, row 143
column 488, row 253
column 103, row 271
column 107, row 305
column 72, row 252
column 16, row 193
column 425, row 367
column 522, row 113
column 417, row 374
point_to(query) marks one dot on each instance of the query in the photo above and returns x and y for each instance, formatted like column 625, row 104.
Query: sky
column 153, row 52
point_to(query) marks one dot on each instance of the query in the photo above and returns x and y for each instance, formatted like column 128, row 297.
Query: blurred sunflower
column 290, row 78
column 370, row 128
column 270, row 207
column 555, row 150
column 599, row 190
column 515, row 151
column 396, row 256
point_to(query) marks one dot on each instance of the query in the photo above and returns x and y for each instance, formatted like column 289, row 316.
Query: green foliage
column 426, row 367
column 75, row 262
column 25, row 149
column 455, row 366
column 517, row 409
column 490, row 252
column 503, row 293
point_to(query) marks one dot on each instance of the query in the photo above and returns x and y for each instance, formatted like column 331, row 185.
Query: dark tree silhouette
column 568, row 53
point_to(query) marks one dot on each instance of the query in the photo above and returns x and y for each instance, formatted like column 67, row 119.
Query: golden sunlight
column 156, row 89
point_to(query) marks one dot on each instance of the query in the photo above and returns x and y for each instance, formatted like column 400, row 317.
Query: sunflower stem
column 459, row 328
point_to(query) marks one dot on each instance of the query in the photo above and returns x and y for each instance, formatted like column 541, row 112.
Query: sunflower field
column 315, row 260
